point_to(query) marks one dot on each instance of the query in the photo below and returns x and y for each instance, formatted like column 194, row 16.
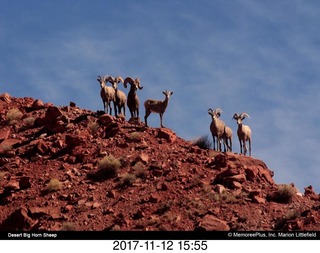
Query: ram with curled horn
column 244, row 132
column 133, row 101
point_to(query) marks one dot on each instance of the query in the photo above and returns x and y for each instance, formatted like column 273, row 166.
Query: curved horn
column 99, row 78
column 210, row 111
column 127, row 80
column 236, row 116
column 119, row 79
column 109, row 79
column 138, row 82
column 218, row 111
column 244, row 114
column 106, row 77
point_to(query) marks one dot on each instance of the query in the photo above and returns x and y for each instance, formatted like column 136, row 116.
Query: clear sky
column 255, row 56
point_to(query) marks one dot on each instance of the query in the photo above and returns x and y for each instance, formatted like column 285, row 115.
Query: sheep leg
column 146, row 116
column 110, row 109
column 161, row 114
column 230, row 147
column 104, row 106
column 250, row 147
column 213, row 142
column 115, row 108
column 225, row 144
column 218, row 144
column 240, row 146
column 244, row 147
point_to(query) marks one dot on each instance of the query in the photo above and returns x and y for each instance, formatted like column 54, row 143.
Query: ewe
column 120, row 96
column 107, row 94
column 157, row 106
column 244, row 133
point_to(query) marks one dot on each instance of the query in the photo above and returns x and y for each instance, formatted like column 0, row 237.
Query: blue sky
column 254, row 56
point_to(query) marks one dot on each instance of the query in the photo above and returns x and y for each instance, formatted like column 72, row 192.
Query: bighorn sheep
column 217, row 127
column 120, row 96
column 244, row 133
column 107, row 94
column 157, row 106
column 133, row 101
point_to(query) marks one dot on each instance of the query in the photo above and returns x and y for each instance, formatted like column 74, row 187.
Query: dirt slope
column 162, row 182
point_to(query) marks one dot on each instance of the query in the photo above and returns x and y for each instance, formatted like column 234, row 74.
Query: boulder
column 167, row 134
column 211, row 223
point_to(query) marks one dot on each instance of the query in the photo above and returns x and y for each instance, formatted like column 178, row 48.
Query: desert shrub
column 135, row 136
column 289, row 215
column 109, row 166
column 127, row 179
column 68, row 226
column 2, row 174
column 5, row 148
column 13, row 115
column 140, row 170
column 93, row 127
column 283, row 194
column 226, row 197
column 29, row 121
column 54, row 185
column 203, row 142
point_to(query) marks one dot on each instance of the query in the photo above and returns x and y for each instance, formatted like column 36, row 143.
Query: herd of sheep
column 220, row 132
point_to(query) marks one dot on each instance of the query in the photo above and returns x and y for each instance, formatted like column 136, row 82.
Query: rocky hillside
column 67, row 168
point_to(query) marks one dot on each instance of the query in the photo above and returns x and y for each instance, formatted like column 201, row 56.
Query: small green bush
column 109, row 166
column 68, row 226
column 29, row 121
column 93, row 127
column 13, row 114
column 127, row 179
column 135, row 136
column 284, row 193
column 140, row 170
column 226, row 197
column 2, row 174
column 203, row 142
column 290, row 215
column 54, row 185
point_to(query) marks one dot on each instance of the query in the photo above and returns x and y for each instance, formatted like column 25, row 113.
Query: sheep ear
column 171, row 93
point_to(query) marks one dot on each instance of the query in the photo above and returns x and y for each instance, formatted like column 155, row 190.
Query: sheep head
column 167, row 93
column 135, row 83
column 102, row 80
column 240, row 117
column 215, row 113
